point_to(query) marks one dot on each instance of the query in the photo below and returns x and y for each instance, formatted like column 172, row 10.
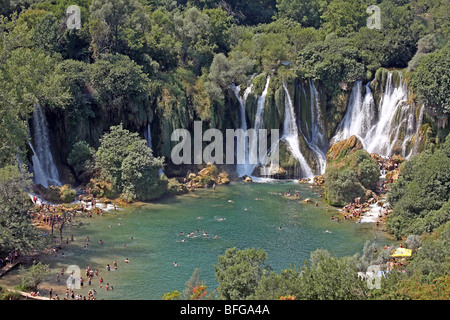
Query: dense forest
column 167, row 63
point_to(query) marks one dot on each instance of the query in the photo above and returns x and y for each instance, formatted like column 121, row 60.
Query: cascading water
column 380, row 131
column 259, row 121
column 44, row 168
column 379, row 138
column 245, row 168
column 148, row 136
column 317, row 140
column 290, row 135
column 359, row 116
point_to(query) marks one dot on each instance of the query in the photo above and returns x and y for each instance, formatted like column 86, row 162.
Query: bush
column 420, row 197
column 128, row 164
column 67, row 194
column 81, row 158
column 350, row 177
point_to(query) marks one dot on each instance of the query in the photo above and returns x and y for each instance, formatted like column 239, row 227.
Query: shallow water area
column 193, row 229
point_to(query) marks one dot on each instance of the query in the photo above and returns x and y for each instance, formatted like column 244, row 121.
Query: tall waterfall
column 316, row 139
column 360, row 115
column 259, row 121
column 290, row 135
column 385, row 130
column 246, row 168
column 44, row 168
column 148, row 136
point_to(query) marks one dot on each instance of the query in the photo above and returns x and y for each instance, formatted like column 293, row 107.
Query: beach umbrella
column 401, row 252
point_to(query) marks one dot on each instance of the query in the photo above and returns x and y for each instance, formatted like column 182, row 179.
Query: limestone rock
column 343, row 148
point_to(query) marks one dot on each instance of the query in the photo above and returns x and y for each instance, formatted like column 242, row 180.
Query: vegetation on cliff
column 420, row 198
column 351, row 172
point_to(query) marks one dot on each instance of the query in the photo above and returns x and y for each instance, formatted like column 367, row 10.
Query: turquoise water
column 252, row 220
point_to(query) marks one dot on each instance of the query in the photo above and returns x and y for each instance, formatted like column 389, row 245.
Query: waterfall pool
column 240, row 215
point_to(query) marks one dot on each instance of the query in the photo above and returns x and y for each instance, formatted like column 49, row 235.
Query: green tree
column 239, row 272
column 343, row 17
column 121, row 88
column 193, row 29
column 126, row 161
column 46, row 33
column 420, row 197
column 81, row 158
column 431, row 84
column 16, row 229
column 33, row 276
column 272, row 286
column 141, row 172
column 307, row 12
column 117, row 25
column 330, row 278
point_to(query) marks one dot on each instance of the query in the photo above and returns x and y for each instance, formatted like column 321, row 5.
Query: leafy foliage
column 17, row 231
column 420, row 197
column 431, row 84
column 239, row 271
column 350, row 177
column 126, row 161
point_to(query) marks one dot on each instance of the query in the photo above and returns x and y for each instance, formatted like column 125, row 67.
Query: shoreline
column 63, row 247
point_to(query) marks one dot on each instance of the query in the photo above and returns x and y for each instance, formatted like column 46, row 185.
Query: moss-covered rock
column 351, row 172
column 56, row 194
column 174, row 187
column 343, row 148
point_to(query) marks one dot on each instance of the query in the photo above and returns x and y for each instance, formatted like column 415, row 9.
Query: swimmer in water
column 326, row 231
column 126, row 260
column 175, row 264
column 231, row 201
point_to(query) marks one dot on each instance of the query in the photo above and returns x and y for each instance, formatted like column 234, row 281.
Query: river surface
column 149, row 236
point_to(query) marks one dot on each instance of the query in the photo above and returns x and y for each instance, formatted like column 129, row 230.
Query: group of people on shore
column 357, row 208
column 11, row 258
column 91, row 273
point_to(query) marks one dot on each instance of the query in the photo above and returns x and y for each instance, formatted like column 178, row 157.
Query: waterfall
column 246, row 168
column 317, row 136
column 44, row 168
column 359, row 116
column 259, row 122
column 148, row 136
column 379, row 138
column 290, row 135
column 317, row 140
column 387, row 130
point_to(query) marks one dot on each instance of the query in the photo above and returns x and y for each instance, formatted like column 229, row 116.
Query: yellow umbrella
column 401, row 252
